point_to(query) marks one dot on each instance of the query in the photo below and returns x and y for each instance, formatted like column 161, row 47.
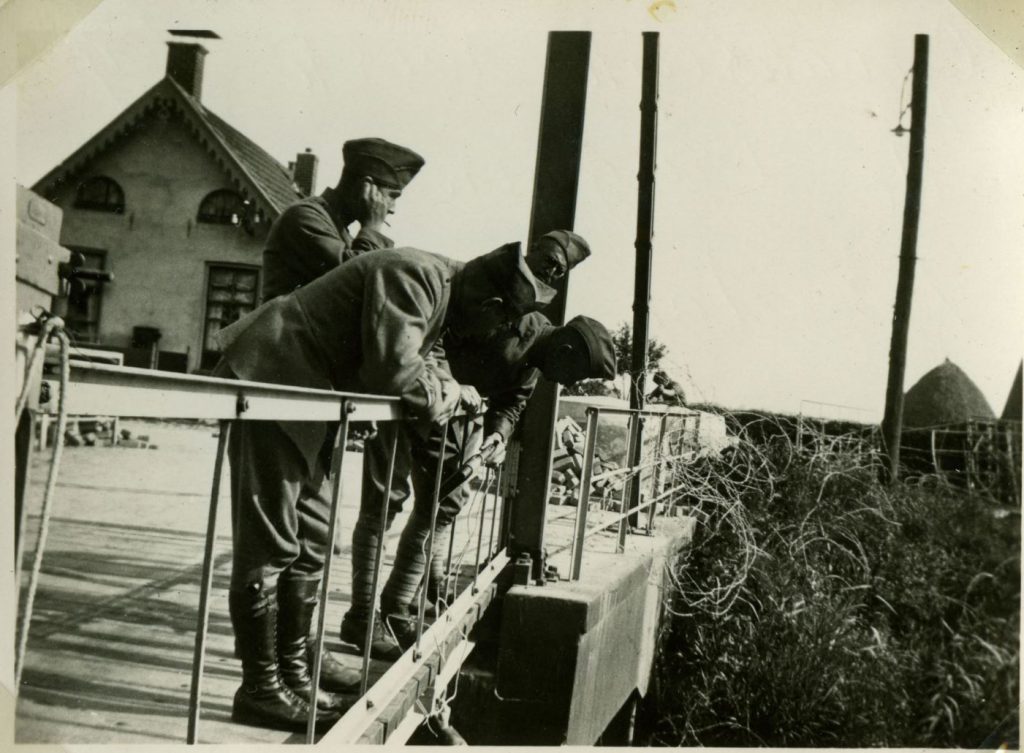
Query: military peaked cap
column 576, row 249
column 599, row 344
column 506, row 269
column 391, row 164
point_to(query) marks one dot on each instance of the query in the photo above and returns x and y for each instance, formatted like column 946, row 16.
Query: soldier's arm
column 367, row 240
column 398, row 307
column 311, row 242
column 504, row 408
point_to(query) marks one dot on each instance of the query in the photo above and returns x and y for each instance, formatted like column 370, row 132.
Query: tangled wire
column 817, row 605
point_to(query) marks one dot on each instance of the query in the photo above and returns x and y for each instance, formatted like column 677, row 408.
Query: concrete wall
column 156, row 250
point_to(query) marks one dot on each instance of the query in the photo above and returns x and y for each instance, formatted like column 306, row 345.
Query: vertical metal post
column 203, row 619
column 422, row 607
column 583, row 503
column 377, row 562
column 480, row 529
column 631, row 494
column 556, row 180
column 892, row 421
column 494, row 512
column 337, row 461
column 451, row 529
column 655, row 490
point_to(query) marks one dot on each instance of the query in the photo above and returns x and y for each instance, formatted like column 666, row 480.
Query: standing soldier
column 309, row 239
column 368, row 326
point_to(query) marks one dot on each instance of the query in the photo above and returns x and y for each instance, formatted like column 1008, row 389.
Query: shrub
column 820, row 607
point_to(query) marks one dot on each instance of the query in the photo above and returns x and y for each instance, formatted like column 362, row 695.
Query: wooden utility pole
column 892, row 421
column 644, row 217
column 644, row 251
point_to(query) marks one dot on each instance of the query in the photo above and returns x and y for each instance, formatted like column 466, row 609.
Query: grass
column 820, row 607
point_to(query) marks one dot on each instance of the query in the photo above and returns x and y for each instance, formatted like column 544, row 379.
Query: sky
column 780, row 185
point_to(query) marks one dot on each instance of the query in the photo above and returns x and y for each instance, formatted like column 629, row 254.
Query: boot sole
column 253, row 719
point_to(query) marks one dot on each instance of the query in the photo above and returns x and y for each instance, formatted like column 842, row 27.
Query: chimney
column 304, row 173
column 185, row 66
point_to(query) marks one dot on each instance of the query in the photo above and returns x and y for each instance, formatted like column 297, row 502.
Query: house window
column 230, row 294
column 85, row 296
column 222, row 207
column 100, row 194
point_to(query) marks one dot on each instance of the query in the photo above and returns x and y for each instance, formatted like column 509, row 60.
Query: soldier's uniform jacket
column 496, row 366
column 307, row 240
column 365, row 326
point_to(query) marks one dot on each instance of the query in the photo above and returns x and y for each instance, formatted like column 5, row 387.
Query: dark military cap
column 390, row 164
column 576, row 249
column 506, row 270
column 599, row 344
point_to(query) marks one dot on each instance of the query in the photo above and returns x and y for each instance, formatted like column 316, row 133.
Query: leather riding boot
column 296, row 602
column 263, row 700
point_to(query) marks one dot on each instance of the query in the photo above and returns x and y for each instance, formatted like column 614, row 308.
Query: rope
column 51, row 485
column 49, row 324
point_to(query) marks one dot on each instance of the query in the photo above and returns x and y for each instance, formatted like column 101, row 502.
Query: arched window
column 222, row 207
column 100, row 194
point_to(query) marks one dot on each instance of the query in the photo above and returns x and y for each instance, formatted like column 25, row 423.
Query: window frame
column 106, row 206
column 233, row 219
column 97, row 288
column 208, row 358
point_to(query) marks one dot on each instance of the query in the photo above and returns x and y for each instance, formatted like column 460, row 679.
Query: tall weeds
column 820, row 607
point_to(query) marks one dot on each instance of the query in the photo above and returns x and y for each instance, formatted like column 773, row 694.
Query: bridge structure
column 547, row 627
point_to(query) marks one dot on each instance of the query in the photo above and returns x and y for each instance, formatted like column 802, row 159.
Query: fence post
column 582, row 504
column 337, row 462
column 203, row 620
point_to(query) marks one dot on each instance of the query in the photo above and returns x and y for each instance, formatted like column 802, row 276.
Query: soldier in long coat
column 369, row 325
column 310, row 238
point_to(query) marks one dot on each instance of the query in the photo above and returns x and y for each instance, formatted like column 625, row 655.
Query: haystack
column 1012, row 411
column 945, row 395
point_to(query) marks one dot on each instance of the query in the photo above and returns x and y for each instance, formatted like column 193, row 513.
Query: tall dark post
column 644, row 247
column 644, row 217
column 892, row 421
column 556, row 180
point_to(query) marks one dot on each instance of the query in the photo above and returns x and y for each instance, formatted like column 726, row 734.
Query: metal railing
column 645, row 485
column 141, row 393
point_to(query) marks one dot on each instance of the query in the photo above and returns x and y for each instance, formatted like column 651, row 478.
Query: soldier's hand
column 378, row 203
column 492, row 451
column 471, row 399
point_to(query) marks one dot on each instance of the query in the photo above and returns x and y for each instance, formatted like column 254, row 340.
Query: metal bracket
column 241, row 404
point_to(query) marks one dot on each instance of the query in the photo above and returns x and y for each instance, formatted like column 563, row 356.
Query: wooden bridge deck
column 110, row 648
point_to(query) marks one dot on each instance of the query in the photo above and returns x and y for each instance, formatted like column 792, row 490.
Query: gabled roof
column 252, row 170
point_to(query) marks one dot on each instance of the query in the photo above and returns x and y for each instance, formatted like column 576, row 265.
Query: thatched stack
column 945, row 395
column 1012, row 411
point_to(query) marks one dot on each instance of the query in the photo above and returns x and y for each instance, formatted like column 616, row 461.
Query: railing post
column 494, row 512
column 203, row 619
column 378, row 559
column 656, row 490
column 631, row 495
column 337, row 461
column 582, row 504
column 422, row 607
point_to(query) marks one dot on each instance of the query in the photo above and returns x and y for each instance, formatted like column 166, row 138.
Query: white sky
column 779, row 185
